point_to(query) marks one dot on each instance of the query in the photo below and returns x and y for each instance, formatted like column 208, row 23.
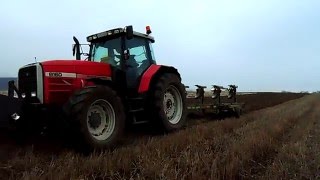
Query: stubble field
column 277, row 137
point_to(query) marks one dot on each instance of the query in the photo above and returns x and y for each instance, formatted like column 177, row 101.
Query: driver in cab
column 112, row 59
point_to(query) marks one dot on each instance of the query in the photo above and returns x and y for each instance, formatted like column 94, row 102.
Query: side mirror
column 129, row 32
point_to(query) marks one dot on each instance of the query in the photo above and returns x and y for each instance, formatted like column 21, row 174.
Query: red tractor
column 118, row 83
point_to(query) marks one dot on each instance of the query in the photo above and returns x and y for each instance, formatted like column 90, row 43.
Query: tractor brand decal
column 60, row 74
column 55, row 74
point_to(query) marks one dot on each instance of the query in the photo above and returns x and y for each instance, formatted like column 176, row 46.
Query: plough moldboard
column 216, row 105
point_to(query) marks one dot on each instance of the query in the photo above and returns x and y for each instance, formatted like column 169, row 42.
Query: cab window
column 138, row 54
column 107, row 52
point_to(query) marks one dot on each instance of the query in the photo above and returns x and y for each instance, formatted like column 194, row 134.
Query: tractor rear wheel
column 97, row 117
column 167, row 103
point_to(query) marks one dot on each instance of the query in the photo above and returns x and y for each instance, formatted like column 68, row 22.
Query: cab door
column 139, row 60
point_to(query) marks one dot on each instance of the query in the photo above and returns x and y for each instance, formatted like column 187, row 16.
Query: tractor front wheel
column 97, row 116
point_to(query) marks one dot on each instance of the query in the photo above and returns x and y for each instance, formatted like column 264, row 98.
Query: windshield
column 107, row 51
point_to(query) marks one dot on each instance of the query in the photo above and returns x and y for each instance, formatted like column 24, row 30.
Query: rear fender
column 153, row 73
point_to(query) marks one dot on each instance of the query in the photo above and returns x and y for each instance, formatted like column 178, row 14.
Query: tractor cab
column 128, row 52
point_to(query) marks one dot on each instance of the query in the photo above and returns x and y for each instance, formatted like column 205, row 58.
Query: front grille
column 28, row 81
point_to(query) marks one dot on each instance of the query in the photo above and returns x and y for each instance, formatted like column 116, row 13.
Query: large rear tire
column 167, row 103
column 97, row 116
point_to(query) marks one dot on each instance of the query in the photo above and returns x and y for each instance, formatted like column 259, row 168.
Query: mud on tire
column 167, row 103
column 96, row 110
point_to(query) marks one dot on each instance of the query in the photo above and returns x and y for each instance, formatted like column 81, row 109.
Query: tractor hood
column 76, row 67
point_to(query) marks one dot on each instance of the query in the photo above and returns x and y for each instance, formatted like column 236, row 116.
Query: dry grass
column 261, row 144
column 299, row 157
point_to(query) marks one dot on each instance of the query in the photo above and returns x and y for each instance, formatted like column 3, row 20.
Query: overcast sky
column 260, row 45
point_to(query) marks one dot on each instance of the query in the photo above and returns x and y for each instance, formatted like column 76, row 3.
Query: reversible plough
column 216, row 105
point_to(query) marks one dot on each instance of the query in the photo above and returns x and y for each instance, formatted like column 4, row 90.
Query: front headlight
column 33, row 94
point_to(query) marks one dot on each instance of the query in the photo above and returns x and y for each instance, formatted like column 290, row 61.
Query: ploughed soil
column 260, row 144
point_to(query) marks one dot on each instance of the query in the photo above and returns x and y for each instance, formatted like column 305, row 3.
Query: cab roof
column 115, row 32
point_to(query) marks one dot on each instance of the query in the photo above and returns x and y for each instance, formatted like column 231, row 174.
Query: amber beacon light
column 148, row 30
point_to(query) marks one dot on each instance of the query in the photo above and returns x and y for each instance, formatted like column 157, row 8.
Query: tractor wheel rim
column 101, row 119
column 172, row 103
